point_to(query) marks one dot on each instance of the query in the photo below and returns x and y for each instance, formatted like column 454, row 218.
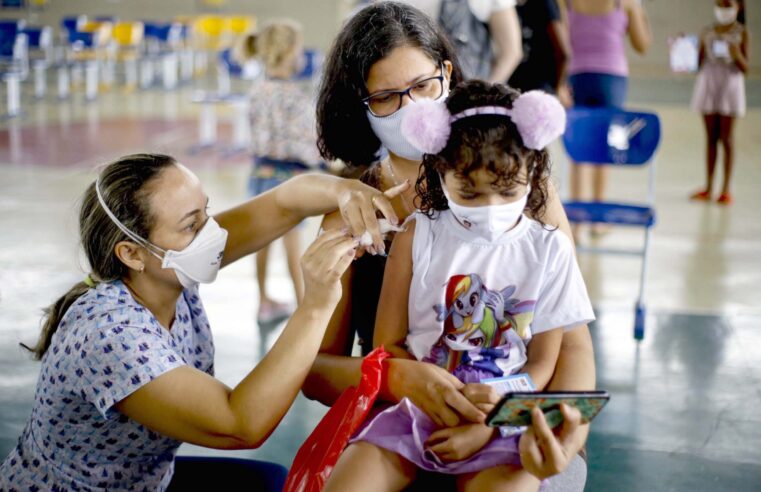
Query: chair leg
column 13, row 85
column 640, row 311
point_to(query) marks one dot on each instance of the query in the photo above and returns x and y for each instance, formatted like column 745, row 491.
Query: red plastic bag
column 320, row 452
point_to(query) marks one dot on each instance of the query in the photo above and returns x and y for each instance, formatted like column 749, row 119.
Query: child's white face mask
column 487, row 221
column 725, row 15
column 198, row 262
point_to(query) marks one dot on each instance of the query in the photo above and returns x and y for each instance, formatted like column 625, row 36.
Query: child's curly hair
column 491, row 142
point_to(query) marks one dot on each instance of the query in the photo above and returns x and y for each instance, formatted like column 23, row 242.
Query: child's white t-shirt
column 469, row 294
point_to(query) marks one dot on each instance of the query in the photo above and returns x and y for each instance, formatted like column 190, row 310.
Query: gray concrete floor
column 683, row 413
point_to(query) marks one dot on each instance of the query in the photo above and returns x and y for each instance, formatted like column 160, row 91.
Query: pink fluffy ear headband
column 539, row 117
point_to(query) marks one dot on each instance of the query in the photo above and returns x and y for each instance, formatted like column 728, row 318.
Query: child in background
column 719, row 93
column 470, row 282
column 283, row 140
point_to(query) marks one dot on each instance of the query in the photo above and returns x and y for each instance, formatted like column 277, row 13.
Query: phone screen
column 515, row 408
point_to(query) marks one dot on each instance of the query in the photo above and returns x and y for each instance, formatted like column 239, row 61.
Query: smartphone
column 514, row 409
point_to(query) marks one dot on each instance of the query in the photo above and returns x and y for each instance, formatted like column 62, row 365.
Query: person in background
column 719, row 93
column 546, row 49
column 598, row 70
column 283, row 142
column 486, row 34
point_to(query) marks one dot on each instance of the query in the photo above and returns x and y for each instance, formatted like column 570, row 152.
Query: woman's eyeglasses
column 387, row 103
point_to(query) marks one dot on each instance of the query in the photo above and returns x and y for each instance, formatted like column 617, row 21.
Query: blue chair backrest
column 611, row 136
column 11, row 27
column 82, row 39
column 233, row 67
column 312, row 64
column 38, row 37
column 163, row 32
column 73, row 22
column 9, row 30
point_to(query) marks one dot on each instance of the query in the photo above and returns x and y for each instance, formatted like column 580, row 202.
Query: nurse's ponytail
column 123, row 186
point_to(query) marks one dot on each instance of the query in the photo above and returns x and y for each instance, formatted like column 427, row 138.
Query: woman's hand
column 358, row 202
column 323, row 264
column 459, row 443
column 433, row 390
column 544, row 453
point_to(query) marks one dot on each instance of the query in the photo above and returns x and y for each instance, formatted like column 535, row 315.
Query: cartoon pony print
column 477, row 320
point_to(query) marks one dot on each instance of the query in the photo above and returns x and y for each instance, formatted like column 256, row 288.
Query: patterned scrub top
column 106, row 347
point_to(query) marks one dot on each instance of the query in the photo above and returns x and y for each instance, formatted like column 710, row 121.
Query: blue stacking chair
column 14, row 62
column 608, row 136
column 40, row 43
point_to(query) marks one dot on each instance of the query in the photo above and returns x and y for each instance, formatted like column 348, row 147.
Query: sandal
column 725, row 199
column 702, row 196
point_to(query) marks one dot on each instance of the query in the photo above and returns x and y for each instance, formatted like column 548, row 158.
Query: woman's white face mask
column 198, row 262
column 388, row 129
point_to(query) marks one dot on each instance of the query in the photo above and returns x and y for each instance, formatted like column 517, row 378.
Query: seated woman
column 387, row 55
column 127, row 355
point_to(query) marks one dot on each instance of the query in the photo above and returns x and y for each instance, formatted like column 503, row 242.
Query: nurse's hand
column 358, row 203
column 323, row 264
column 433, row 390
column 545, row 453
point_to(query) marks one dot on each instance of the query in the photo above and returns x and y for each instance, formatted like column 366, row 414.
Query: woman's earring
column 142, row 268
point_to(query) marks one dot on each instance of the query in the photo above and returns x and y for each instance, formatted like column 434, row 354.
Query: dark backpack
column 470, row 37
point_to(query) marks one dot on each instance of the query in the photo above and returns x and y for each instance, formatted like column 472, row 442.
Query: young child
column 284, row 142
column 719, row 93
column 470, row 283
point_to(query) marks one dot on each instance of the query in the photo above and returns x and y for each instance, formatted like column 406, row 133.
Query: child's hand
column 734, row 51
column 481, row 395
column 459, row 443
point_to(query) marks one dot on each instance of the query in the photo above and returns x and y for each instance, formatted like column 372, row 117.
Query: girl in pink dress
column 719, row 93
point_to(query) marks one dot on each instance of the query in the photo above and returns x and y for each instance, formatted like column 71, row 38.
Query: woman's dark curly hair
column 343, row 131
column 485, row 141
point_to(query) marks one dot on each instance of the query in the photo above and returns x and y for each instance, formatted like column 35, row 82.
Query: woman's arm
column 391, row 322
column 257, row 222
column 639, row 26
column 542, row 355
column 505, row 30
column 191, row 406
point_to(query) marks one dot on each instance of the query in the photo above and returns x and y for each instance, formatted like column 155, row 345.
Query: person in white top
column 504, row 30
column 470, row 283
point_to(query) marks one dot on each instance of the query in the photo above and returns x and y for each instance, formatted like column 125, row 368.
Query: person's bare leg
column 261, row 275
column 580, row 178
column 727, row 141
column 292, row 242
column 505, row 478
column 711, row 124
column 366, row 467
column 600, row 176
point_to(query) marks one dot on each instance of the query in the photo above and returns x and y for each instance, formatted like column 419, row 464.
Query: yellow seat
column 239, row 25
column 128, row 34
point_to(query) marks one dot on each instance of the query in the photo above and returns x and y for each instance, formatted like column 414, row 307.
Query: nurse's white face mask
column 198, row 262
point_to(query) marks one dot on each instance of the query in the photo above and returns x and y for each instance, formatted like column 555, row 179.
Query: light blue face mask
column 388, row 129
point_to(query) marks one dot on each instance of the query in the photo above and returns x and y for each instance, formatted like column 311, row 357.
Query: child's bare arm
column 542, row 355
column 461, row 442
column 391, row 321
